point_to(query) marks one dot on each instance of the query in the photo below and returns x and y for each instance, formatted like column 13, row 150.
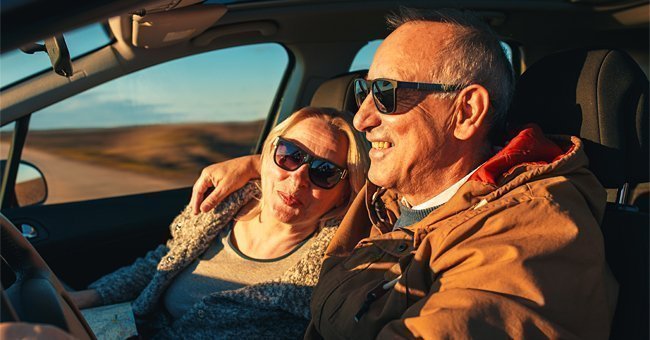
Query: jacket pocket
column 362, row 257
column 348, row 301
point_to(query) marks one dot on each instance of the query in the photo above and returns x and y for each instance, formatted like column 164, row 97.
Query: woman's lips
column 289, row 200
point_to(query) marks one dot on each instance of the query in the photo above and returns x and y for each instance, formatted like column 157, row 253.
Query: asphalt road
column 70, row 180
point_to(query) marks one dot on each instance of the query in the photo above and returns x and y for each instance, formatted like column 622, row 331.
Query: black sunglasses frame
column 308, row 159
column 370, row 86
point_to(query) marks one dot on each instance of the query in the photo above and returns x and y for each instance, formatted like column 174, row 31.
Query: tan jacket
column 516, row 253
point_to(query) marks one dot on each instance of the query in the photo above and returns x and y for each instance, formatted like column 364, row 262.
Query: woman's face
column 290, row 195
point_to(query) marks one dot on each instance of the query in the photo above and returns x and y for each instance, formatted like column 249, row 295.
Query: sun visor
column 264, row 28
column 167, row 5
column 153, row 30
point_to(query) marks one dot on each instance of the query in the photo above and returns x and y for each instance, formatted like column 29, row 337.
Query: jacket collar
column 528, row 147
column 528, row 155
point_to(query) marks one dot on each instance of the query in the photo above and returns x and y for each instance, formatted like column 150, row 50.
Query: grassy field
column 166, row 151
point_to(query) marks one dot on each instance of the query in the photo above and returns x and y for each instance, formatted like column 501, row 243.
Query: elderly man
column 450, row 239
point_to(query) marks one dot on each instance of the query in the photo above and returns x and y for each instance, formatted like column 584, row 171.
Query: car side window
column 157, row 128
column 363, row 59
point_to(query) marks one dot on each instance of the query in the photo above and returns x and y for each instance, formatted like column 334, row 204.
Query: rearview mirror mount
column 57, row 50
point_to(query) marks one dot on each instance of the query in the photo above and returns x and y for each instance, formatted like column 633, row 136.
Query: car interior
column 612, row 121
column 582, row 66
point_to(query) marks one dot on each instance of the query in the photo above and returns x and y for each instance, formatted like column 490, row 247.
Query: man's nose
column 367, row 117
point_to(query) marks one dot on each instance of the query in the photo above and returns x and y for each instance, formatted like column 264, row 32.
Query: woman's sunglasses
column 384, row 91
column 322, row 173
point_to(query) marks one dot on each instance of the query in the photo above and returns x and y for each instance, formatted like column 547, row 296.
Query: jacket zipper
column 380, row 290
column 340, row 283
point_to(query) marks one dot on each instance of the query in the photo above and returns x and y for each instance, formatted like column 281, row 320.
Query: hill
column 168, row 151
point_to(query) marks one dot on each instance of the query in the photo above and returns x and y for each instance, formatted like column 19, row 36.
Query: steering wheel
column 37, row 296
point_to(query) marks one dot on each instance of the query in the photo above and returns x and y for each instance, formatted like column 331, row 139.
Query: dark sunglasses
column 322, row 173
column 384, row 91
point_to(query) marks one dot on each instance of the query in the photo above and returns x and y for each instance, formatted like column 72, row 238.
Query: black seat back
column 599, row 95
column 602, row 96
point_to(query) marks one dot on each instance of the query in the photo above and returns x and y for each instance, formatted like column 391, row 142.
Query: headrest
column 337, row 92
column 599, row 95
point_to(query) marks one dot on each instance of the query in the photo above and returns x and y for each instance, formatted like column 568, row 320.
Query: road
column 70, row 180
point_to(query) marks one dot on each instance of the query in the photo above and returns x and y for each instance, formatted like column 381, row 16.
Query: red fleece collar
column 529, row 146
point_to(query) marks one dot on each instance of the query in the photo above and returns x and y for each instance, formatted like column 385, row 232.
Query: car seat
column 337, row 92
column 601, row 95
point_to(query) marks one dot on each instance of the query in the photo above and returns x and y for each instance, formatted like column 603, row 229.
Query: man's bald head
column 455, row 47
column 414, row 49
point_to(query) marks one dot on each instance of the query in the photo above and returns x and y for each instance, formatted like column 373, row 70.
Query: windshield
column 16, row 65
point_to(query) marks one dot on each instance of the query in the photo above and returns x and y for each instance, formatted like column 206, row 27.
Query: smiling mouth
column 289, row 200
column 381, row 145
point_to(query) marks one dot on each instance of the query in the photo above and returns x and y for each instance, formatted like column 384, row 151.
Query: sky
column 237, row 84
column 363, row 59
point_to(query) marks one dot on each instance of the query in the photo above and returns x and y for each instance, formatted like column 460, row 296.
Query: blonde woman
column 246, row 268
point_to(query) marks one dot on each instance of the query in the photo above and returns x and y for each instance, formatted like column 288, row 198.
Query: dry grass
column 169, row 151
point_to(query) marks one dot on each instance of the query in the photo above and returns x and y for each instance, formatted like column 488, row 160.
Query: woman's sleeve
column 126, row 283
column 223, row 318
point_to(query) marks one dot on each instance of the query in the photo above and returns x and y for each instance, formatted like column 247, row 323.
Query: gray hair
column 473, row 56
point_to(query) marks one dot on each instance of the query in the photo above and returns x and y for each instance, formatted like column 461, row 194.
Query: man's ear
column 472, row 107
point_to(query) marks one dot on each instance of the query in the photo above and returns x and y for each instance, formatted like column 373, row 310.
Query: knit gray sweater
column 277, row 308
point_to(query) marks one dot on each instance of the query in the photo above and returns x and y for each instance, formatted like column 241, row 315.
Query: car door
column 118, row 160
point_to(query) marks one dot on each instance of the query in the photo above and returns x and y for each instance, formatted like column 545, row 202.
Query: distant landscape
column 175, row 152
column 30, row 192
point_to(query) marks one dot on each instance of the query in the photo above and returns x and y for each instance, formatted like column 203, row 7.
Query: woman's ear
column 472, row 107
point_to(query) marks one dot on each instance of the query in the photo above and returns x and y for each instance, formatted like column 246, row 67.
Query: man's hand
column 20, row 330
column 225, row 177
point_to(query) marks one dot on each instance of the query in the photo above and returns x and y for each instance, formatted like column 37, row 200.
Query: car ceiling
column 530, row 22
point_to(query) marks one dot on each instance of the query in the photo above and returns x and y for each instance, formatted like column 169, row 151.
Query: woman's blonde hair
column 357, row 156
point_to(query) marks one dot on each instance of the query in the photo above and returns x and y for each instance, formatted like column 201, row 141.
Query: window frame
column 8, row 186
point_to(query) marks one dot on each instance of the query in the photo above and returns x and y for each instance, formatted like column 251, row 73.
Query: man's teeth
column 381, row 145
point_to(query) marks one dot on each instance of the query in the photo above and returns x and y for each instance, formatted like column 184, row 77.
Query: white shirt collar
column 442, row 197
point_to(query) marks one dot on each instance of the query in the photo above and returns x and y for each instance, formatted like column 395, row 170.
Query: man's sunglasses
column 384, row 91
column 322, row 173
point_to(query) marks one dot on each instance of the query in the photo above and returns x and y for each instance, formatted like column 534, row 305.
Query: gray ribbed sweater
column 408, row 216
